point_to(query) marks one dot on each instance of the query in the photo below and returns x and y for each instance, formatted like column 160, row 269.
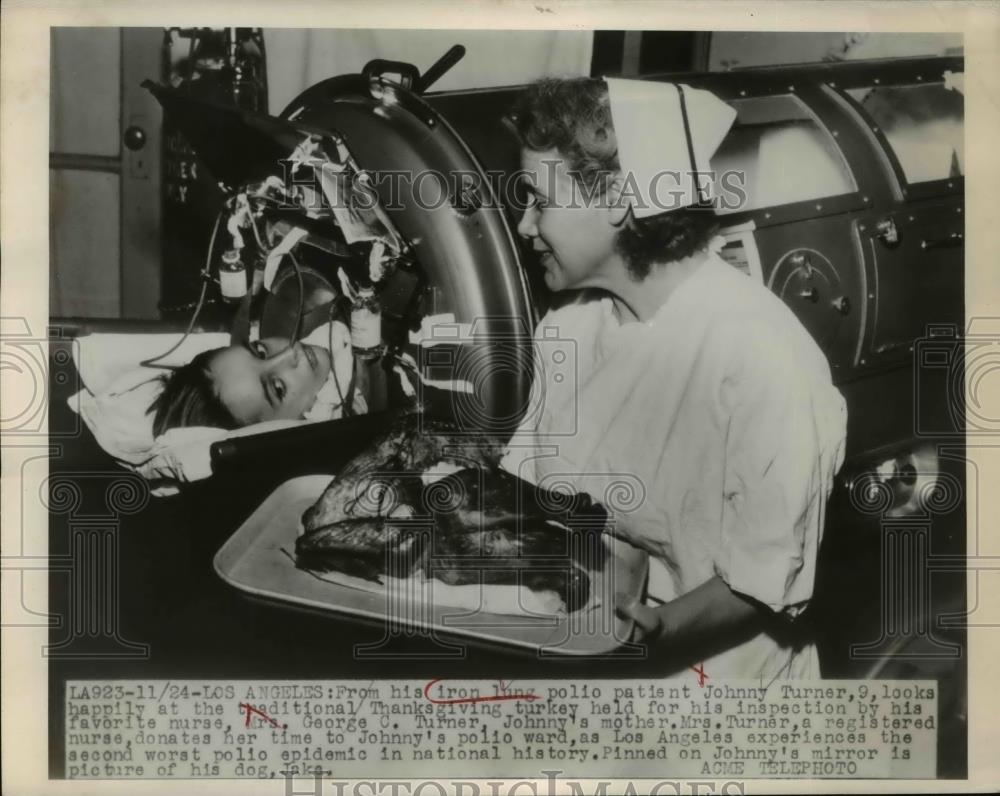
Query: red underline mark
column 700, row 671
column 250, row 710
column 469, row 700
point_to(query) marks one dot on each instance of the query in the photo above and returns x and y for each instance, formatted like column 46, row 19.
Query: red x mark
column 250, row 710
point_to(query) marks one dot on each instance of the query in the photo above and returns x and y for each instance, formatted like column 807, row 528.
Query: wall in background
column 734, row 50
column 104, row 198
column 299, row 58
column 83, row 205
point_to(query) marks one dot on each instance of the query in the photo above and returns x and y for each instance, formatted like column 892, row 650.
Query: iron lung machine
column 851, row 211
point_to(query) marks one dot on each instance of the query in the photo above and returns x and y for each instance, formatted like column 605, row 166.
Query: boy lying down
column 162, row 426
column 253, row 381
column 264, row 380
column 161, row 420
column 161, row 423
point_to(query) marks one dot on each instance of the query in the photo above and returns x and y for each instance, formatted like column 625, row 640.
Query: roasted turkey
column 386, row 515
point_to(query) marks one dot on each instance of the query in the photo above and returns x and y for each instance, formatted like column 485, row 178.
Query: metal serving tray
column 258, row 560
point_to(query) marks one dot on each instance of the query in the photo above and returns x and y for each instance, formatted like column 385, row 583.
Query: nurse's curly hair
column 573, row 116
column 190, row 398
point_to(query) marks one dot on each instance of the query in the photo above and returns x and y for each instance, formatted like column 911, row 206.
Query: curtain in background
column 299, row 58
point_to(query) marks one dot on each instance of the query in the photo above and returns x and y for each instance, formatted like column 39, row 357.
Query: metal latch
column 802, row 264
column 952, row 241
column 842, row 304
column 885, row 230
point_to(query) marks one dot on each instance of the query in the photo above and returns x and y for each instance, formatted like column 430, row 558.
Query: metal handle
column 410, row 77
column 952, row 241
column 438, row 68
column 408, row 73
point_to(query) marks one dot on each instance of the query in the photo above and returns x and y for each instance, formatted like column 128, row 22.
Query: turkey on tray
column 427, row 499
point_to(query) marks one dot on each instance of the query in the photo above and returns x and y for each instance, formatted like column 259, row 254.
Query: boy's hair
column 574, row 117
column 189, row 398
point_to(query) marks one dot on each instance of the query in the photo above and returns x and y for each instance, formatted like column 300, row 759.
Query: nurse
column 689, row 383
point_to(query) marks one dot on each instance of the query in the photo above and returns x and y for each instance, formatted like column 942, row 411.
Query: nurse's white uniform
column 720, row 416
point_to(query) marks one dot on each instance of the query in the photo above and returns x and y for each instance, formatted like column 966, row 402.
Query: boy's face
column 269, row 379
column 573, row 232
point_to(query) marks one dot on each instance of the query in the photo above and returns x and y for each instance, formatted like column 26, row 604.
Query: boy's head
column 270, row 379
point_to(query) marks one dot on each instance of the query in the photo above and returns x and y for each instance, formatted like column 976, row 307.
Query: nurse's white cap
column 667, row 133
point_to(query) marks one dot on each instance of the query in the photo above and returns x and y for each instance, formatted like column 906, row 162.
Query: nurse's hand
column 693, row 618
column 648, row 621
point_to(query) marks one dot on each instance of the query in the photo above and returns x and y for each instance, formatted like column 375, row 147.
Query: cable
column 346, row 402
column 205, row 276
column 256, row 232
column 344, row 408
column 297, row 329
